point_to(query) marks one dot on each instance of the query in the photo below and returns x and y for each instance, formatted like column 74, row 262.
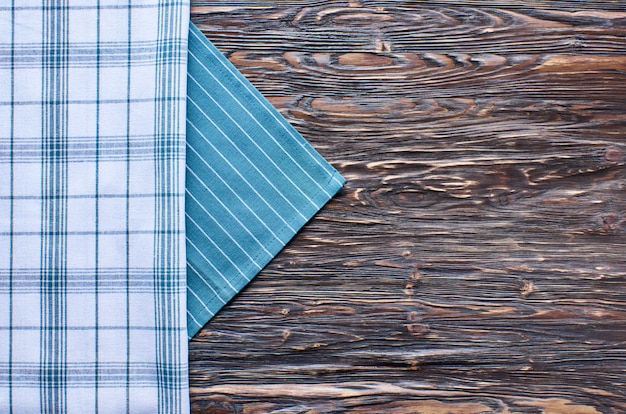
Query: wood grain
column 476, row 259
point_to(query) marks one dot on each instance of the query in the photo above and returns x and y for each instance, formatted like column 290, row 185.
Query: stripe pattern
column 53, row 341
column 92, row 244
column 252, row 181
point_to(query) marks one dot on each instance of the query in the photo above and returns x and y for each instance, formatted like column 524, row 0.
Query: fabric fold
column 252, row 181
column 92, row 246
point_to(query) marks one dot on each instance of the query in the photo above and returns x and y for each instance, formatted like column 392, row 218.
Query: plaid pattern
column 252, row 181
column 92, row 248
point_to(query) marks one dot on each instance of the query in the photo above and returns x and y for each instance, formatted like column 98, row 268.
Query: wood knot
column 383, row 46
column 286, row 334
column 415, row 274
column 613, row 154
column 610, row 222
column 414, row 278
column 527, row 288
column 414, row 316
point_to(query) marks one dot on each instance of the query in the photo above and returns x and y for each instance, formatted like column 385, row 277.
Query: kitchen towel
column 252, row 181
column 92, row 240
column 92, row 243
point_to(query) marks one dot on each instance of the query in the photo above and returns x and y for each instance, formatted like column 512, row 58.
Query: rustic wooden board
column 476, row 259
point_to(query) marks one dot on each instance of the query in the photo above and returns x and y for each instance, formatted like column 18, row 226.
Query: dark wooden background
column 475, row 262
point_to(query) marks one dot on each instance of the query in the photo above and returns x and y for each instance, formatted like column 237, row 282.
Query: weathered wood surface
column 476, row 259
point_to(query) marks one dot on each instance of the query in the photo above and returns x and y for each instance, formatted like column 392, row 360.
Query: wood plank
column 474, row 262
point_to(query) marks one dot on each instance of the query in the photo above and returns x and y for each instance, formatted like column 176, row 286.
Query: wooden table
column 475, row 261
